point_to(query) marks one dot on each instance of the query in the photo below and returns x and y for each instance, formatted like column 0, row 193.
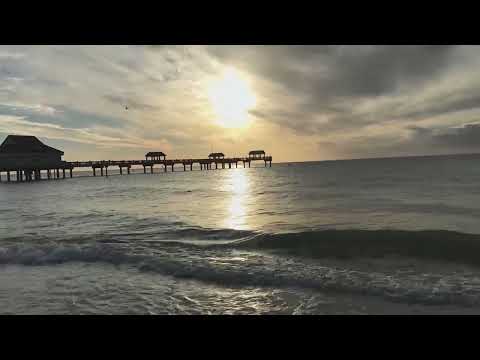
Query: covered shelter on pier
column 20, row 152
column 256, row 155
column 27, row 157
column 155, row 155
column 218, row 155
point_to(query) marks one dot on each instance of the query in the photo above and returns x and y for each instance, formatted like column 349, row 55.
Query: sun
column 231, row 99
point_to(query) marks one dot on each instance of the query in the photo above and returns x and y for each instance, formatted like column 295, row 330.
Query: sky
column 298, row 103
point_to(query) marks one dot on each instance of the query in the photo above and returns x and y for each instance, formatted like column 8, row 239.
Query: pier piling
column 32, row 173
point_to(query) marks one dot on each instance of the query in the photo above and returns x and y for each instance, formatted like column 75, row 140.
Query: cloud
column 340, row 71
column 335, row 92
column 335, row 101
column 59, row 115
column 30, row 108
column 466, row 137
column 130, row 102
column 94, row 136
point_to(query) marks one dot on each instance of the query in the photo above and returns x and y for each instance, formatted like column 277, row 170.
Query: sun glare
column 238, row 185
column 231, row 98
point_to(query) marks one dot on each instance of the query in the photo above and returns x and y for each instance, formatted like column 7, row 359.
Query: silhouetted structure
column 256, row 154
column 155, row 155
column 216, row 156
column 27, row 156
column 28, row 151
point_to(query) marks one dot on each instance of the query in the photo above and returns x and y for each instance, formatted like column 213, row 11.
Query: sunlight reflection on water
column 238, row 183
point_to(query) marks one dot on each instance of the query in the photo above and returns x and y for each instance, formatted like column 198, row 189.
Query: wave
column 263, row 274
column 439, row 245
column 425, row 244
column 200, row 233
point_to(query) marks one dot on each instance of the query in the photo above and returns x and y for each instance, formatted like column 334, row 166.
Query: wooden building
column 216, row 156
column 27, row 157
column 256, row 155
column 155, row 155
column 28, row 152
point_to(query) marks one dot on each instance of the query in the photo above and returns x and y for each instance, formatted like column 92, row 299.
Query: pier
column 25, row 157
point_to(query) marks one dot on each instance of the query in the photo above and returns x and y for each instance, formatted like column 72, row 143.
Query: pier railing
column 35, row 172
column 125, row 163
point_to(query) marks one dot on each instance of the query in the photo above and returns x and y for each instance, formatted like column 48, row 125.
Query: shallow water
column 306, row 238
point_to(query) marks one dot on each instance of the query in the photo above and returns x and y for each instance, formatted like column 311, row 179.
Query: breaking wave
column 418, row 288
column 428, row 244
column 438, row 245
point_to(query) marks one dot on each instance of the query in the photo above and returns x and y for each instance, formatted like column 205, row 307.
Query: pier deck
column 35, row 173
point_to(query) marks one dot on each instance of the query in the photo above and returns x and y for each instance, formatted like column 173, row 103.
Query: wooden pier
column 31, row 170
column 210, row 163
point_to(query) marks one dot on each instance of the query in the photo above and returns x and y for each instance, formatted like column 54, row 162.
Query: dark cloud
column 345, row 71
column 444, row 105
column 420, row 132
column 381, row 70
column 467, row 136
column 331, row 81
column 300, row 122
column 422, row 140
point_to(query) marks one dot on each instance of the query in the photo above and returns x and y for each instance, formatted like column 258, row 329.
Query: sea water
column 377, row 236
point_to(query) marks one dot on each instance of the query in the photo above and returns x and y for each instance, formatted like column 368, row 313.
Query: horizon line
column 381, row 158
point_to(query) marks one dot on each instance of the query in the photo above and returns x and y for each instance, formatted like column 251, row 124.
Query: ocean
column 374, row 236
